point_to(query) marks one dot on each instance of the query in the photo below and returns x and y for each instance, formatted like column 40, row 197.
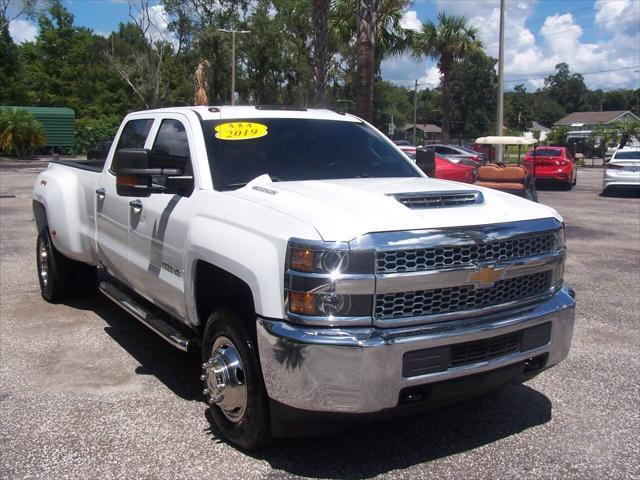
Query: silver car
column 453, row 152
column 623, row 170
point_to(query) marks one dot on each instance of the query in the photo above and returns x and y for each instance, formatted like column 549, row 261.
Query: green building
column 59, row 124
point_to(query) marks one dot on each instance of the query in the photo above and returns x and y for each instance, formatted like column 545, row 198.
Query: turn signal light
column 302, row 303
column 302, row 260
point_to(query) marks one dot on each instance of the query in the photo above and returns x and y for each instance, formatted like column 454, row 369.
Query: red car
column 447, row 169
column 553, row 163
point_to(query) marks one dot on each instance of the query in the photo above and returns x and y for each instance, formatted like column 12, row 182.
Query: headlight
column 560, row 238
column 326, row 283
column 329, row 258
column 558, row 271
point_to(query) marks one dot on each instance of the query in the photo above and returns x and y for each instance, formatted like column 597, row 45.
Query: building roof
column 425, row 127
column 591, row 118
column 538, row 126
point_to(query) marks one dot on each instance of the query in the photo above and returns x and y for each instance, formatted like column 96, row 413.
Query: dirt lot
column 87, row 392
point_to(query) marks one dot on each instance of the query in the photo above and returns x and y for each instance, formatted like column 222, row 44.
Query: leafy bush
column 558, row 136
column 94, row 130
column 20, row 132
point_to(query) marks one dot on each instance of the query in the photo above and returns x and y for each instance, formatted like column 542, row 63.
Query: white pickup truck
column 321, row 274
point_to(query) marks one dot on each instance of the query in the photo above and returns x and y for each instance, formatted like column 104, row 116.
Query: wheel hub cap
column 225, row 380
column 43, row 262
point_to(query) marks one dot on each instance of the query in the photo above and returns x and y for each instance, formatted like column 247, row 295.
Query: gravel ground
column 87, row 392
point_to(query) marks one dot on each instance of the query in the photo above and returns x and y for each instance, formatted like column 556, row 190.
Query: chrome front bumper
column 359, row 370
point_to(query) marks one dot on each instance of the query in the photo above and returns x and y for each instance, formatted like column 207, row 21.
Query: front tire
column 233, row 382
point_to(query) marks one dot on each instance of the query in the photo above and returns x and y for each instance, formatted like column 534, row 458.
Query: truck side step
column 158, row 322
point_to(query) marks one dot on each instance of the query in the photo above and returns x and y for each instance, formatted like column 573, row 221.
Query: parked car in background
column 453, row 152
column 552, row 163
column 488, row 151
column 458, row 170
column 99, row 151
column 622, row 171
column 402, row 143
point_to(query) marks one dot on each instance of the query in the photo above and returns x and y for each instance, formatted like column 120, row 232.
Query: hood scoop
column 440, row 199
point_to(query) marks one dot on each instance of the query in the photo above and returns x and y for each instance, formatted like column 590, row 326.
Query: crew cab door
column 158, row 225
column 113, row 212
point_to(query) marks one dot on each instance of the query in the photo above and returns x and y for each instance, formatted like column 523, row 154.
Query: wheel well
column 215, row 287
column 39, row 215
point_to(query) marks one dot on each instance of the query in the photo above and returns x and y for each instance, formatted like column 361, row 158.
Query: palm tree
column 320, row 24
column 626, row 130
column 367, row 21
column 378, row 33
column 20, row 132
column 450, row 41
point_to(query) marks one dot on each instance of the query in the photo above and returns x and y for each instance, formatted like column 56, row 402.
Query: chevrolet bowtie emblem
column 486, row 276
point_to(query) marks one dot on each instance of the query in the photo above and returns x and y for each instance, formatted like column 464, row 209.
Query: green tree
column 626, row 130
column 558, row 136
column 566, row 88
column 376, row 27
column 546, row 109
column 391, row 101
column 20, row 132
column 519, row 109
column 473, row 109
column 320, row 42
column 450, row 41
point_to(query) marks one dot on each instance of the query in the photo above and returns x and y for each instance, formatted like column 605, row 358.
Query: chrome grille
column 457, row 299
column 401, row 261
column 439, row 199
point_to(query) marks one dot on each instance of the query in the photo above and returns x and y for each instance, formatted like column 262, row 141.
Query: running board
column 156, row 322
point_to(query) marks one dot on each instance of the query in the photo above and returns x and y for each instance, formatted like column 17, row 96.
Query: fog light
column 333, row 304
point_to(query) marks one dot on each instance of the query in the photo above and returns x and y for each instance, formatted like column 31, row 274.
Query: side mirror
column 134, row 175
column 426, row 160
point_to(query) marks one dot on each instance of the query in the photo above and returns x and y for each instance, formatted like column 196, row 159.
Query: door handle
column 136, row 205
column 100, row 193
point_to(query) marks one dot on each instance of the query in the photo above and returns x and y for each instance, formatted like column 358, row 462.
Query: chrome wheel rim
column 225, row 380
column 43, row 263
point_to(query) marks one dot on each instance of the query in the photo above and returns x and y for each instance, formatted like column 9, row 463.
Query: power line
column 585, row 73
column 404, row 83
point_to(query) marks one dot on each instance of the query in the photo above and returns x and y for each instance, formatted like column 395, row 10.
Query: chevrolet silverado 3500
column 321, row 274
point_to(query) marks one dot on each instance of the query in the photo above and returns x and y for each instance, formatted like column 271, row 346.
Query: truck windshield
column 298, row 149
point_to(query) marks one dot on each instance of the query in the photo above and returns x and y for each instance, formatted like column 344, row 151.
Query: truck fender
column 68, row 210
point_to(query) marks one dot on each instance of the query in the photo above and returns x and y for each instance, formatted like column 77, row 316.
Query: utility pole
column 500, row 119
column 233, row 60
column 415, row 111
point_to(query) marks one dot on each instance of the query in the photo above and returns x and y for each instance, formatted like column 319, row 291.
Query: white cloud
column 102, row 33
column 410, row 21
column 432, row 77
column 531, row 54
column 156, row 22
column 22, row 31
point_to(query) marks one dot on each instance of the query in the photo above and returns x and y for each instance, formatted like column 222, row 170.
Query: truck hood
column 341, row 210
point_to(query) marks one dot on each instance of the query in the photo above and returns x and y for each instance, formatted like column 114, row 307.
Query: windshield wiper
column 244, row 184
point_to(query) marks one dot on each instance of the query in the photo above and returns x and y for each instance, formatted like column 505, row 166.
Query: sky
column 598, row 38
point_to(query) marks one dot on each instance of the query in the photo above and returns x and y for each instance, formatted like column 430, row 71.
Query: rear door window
column 171, row 147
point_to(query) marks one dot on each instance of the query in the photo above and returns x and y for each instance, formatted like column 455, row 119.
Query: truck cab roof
column 256, row 111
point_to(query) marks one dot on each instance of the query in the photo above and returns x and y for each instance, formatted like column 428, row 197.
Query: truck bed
column 67, row 191
column 90, row 165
